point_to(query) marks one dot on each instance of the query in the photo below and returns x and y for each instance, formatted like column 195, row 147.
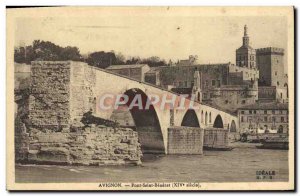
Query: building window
column 206, row 83
column 277, row 83
column 250, row 120
column 275, row 73
column 213, row 82
column 273, row 120
column 226, row 101
column 242, row 112
column 282, row 119
column 280, row 129
column 243, row 101
column 281, row 95
column 186, row 84
column 254, row 111
column 265, row 112
column 250, row 111
column 211, row 95
column 273, row 111
column 180, row 84
column 266, row 119
column 242, row 119
column 280, row 111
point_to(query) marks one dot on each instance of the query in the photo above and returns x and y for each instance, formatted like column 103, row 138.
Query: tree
column 154, row 61
column 46, row 51
column 69, row 52
column 120, row 59
column 133, row 60
column 101, row 59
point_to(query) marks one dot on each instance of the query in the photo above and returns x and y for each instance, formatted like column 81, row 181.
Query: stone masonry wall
column 96, row 145
column 82, row 93
column 49, row 95
column 185, row 140
column 216, row 138
column 61, row 92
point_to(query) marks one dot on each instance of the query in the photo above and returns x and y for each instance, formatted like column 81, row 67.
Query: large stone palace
column 257, row 75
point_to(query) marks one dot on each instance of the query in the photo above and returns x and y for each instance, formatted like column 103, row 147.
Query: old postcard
column 150, row 98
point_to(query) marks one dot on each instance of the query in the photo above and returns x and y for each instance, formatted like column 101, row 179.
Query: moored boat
column 275, row 143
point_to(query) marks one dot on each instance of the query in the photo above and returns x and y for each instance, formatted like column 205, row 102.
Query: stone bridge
column 76, row 88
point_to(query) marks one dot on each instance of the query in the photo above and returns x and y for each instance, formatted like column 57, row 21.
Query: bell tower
column 246, row 37
column 197, row 86
column 245, row 55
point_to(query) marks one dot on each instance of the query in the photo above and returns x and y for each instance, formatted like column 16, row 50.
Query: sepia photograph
column 150, row 98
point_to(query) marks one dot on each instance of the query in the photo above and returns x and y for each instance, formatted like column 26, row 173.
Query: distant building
column 188, row 62
column 219, row 84
column 152, row 76
column 135, row 71
column 264, row 116
column 270, row 62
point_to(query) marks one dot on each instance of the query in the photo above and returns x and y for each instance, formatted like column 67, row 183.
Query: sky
column 212, row 39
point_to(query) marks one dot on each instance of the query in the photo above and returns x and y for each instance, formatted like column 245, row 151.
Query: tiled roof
column 245, row 47
column 155, row 69
column 126, row 66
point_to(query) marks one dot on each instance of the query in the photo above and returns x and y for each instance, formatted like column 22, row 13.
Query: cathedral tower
column 245, row 55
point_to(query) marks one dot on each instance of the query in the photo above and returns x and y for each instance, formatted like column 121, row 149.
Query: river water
column 238, row 165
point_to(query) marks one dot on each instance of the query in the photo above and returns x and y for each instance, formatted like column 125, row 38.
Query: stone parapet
column 269, row 50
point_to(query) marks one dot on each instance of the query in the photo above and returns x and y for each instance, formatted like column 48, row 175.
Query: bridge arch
column 218, row 122
column 232, row 126
column 206, row 118
column 146, row 123
column 190, row 119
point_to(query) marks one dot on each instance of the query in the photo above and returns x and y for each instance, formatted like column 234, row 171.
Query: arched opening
column 210, row 117
column 205, row 118
column 190, row 119
column 287, row 90
column 202, row 116
column 232, row 126
column 199, row 97
column 145, row 123
column 218, row 122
